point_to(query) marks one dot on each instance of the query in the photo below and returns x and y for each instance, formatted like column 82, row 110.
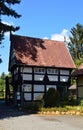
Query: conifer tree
column 76, row 42
column 6, row 10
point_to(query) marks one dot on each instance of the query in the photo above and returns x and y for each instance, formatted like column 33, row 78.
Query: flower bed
column 67, row 110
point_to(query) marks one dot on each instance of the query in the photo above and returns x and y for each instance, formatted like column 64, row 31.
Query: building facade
column 78, row 74
column 37, row 65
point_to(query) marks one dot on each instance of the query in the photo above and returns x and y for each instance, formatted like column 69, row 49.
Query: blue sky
column 52, row 19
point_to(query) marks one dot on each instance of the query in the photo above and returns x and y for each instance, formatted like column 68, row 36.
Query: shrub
column 51, row 98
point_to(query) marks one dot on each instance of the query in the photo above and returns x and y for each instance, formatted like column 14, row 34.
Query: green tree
column 6, row 10
column 76, row 42
column 3, row 76
column 2, row 83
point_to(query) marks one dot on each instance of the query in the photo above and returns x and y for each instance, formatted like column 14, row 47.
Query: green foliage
column 2, row 84
column 78, row 62
column 81, row 102
column 76, row 42
column 6, row 10
column 51, row 98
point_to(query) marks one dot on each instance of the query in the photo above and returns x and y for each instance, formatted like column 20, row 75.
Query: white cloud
column 57, row 37
column 45, row 38
column 61, row 36
column 64, row 35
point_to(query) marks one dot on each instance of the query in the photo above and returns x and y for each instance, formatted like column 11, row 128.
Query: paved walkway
column 12, row 119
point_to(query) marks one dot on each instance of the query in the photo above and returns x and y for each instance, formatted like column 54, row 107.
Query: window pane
column 52, row 71
column 38, row 96
column 64, row 72
column 26, row 70
column 27, row 96
column 27, row 76
column 39, row 70
column 39, row 88
column 27, row 88
column 38, row 77
column 53, row 78
column 64, row 78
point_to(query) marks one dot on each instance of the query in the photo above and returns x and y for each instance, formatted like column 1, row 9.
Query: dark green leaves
column 6, row 10
column 76, row 42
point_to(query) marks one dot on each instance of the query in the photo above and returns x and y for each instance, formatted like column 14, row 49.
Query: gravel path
column 12, row 119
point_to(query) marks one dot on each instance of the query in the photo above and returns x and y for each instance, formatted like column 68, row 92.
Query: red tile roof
column 41, row 52
column 79, row 71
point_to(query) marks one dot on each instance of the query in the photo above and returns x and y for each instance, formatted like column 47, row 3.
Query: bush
column 51, row 98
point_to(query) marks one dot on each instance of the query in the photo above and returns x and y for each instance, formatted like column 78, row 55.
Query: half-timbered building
column 78, row 74
column 37, row 65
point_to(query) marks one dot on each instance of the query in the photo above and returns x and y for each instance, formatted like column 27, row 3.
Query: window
column 27, row 76
column 39, row 88
column 27, row 96
column 38, row 96
column 38, row 77
column 39, row 70
column 64, row 72
column 27, row 88
column 53, row 78
column 64, row 78
column 26, row 70
column 52, row 71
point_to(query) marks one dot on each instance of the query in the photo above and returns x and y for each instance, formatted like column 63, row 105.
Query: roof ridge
column 37, row 38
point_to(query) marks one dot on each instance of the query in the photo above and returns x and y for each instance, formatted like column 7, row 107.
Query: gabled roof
column 79, row 71
column 41, row 52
